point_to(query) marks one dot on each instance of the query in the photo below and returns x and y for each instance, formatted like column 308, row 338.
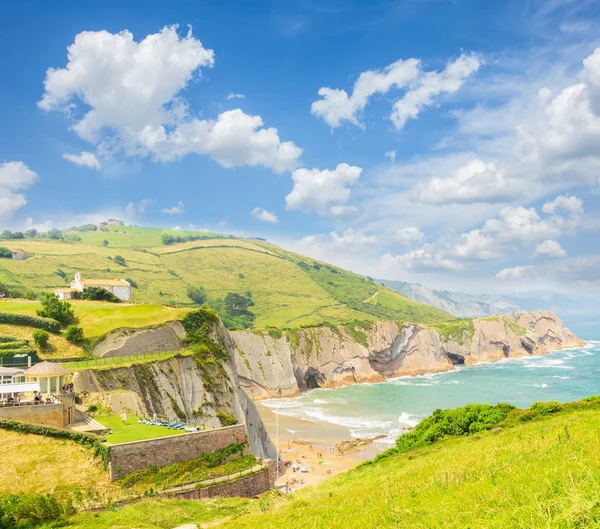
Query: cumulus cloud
column 134, row 208
column 131, row 92
column 344, row 212
column 14, row 177
column 316, row 190
column 517, row 273
column 175, row 210
column 426, row 258
column 350, row 241
column 235, row 96
column 476, row 181
column 84, row 159
column 474, row 246
column 336, row 106
column 408, row 235
column 264, row 216
column 550, row 249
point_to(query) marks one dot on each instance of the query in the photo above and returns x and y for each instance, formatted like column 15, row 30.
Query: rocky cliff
column 198, row 387
column 277, row 365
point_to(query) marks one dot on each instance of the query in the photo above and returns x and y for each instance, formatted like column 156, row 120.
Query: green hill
column 288, row 290
column 494, row 468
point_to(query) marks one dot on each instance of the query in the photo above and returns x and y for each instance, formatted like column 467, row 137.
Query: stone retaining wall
column 244, row 487
column 139, row 455
column 46, row 414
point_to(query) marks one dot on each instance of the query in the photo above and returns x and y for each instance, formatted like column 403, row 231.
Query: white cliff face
column 324, row 357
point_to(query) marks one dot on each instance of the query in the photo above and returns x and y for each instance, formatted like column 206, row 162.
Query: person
column 123, row 418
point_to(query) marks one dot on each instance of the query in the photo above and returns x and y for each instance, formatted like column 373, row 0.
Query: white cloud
column 476, row 181
column 344, row 212
column 522, row 224
column 84, row 159
column 324, row 246
column 432, row 84
column 352, row 240
column 132, row 94
column 336, row 106
column 408, row 235
column 390, row 155
column 474, row 246
column 426, row 258
column 14, row 177
column 264, row 215
column 133, row 208
column 517, row 273
column 175, row 210
column 316, row 190
column 550, row 249
column 232, row 95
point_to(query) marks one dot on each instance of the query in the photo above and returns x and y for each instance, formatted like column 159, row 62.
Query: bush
column 85, row 227
column 74, row 334
column 119, row 260
column 53, row 308
column 18, row 344
column 227, row 419
column 131, row 282
column 5, row 252
column 197, row 295
column 96, row 294
column 24, row 511
column 47, row 324
column 40, row 337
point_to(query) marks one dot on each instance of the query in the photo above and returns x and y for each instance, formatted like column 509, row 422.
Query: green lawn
column 132, row 430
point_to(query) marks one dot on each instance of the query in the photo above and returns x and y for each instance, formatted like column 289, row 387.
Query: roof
column 20, row 387
column 103, row 282
column 46, row 368
column 10, row 371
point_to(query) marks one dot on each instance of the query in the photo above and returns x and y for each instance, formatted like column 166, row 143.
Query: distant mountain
column 456, row 303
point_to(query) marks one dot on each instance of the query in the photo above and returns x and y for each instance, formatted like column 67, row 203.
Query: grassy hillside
column 288, row 290
column 536, row 468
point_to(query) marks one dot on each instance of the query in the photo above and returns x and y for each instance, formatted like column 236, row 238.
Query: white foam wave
column 558, row 376
column 540, row 385
column 348, row 422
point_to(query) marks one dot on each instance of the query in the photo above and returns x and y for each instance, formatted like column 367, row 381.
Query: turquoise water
column 387, row 408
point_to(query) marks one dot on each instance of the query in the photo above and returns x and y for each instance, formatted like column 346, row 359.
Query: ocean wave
column 558, row 376
column 348, row 422
column 539, row 385
column 407, row 419
column 279, row 404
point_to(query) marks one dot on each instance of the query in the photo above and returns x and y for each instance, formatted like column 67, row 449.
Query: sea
column 388, row 408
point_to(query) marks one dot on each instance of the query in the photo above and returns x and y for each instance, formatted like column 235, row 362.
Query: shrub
column 24, row 511
column 47, row 324
column 53, row 308
column 40, row 337
column 227, row 419
column 104, row 242
column 131, row 282
column 119, row 260
column 74, row 334
column 197, row 295
column 96, row 294
column 85, row 227
column 54, row 234
column 5, row 252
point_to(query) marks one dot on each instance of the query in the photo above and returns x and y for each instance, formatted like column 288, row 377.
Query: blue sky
column 453, row 143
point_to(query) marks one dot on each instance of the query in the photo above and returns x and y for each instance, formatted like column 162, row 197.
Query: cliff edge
column 275, row 364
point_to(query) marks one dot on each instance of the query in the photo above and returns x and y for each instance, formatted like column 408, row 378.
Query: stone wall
column 244, row 487
column 46, row 414
column 139, row 455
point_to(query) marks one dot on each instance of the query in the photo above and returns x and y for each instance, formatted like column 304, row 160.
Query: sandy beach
column 303, row 450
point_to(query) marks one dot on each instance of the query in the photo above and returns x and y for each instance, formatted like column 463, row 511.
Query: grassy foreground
column 537, row 468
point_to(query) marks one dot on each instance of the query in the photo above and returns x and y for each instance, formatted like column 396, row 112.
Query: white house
column 119, row 287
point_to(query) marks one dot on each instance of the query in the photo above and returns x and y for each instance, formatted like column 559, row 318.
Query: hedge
column 25, row 350
column 87, row 440
column 32, row 321
column 17, row 344
column 7, row 339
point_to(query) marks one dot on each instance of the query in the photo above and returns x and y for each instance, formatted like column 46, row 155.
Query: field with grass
column 132, row 430
column 535, row 468
column 289, row 290
column 37, row 464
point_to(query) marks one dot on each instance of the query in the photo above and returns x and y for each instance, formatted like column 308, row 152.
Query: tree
column 104, row 242
column 197, row 295
column 53, row 308
column 7, row 234
column 40, row 337
column 96, row 294
column 18, row 235
column 30, row 234
column 55, row 234
column 74, row 333
column 119, row 260
column 237, row 304
column 5, row 252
